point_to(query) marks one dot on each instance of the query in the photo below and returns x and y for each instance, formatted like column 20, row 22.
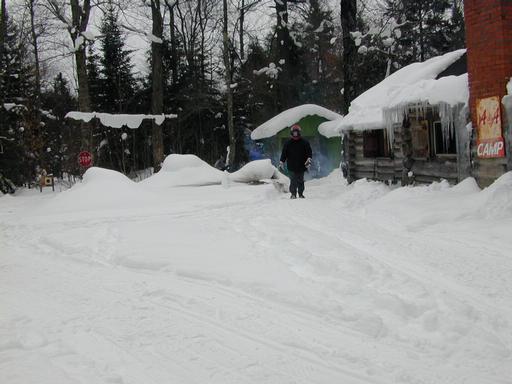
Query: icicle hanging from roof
column 447, row 117
column 396, row 115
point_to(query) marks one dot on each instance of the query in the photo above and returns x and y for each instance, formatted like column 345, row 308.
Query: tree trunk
column 348, row 24
column 80, row 19
column 242, row 20
column 174, row 51
column 3, row 32
column 84, row 101
column 157, row 95
column 229, row 90
column 36, row 53
column 283, row 49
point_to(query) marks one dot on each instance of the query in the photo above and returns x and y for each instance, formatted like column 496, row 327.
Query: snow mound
column 417, row 208
column 95, row 175
column 190, row 170
column 100, row 189
column 292, row 116
column 254, row 171
column 174, row 162
column 362, row 192
column 496, row 199
column 184, row 170
column 468, row 185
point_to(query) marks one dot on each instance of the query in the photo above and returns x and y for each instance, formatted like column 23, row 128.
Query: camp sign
column 490, row 142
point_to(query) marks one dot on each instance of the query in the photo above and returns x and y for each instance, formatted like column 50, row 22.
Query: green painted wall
column 326, row 152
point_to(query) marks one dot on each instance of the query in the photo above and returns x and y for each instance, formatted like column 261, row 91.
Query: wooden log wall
column 386, row 169
column 396, row 167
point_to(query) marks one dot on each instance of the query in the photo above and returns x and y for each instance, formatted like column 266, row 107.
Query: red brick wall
column 489, row 43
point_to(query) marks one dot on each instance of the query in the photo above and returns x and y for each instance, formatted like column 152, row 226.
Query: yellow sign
column 490, row 142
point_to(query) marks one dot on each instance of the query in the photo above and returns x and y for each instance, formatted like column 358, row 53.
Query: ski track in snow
column 256, row 290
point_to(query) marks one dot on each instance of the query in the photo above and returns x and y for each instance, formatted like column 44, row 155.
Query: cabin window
column 442, row 145
column 428, row 140
column 375, row 143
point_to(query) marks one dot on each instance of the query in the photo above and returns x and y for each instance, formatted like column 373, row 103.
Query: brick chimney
column 489, row 50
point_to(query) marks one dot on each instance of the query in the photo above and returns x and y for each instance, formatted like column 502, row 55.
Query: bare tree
column 76, row 27
column 157, row 82
column 227, row 79
column 348, row 12
column 35, row 32
column 171, row 5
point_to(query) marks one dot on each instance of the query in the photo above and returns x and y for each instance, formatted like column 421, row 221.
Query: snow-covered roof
column 290, row 117
column 132, row 121
column 415, row 83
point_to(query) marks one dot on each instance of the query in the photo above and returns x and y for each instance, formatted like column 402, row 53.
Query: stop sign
column 85, row 159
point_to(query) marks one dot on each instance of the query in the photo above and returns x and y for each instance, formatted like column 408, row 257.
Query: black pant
column 296, row 183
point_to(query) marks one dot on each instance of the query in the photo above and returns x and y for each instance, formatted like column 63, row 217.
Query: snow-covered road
column 355, row 284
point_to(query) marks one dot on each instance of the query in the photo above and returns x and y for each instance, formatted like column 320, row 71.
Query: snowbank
column 190, row 170
column 420, row 207
column 101, row 189
column 413, row 83
column 292, row 116
column 254, row 171
column 184, row 170
column 117, row 120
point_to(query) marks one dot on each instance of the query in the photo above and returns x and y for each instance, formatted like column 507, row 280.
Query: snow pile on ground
column 184, row 170
column 413, row 83
column 255, row 171
column 291, row 116
column 438, row 203
column 190, row 170
column 359, row 283
column 496, row 200
column 100, row 189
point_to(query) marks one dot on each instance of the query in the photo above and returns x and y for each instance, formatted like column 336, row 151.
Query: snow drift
column 190, row 170
column 100, row 189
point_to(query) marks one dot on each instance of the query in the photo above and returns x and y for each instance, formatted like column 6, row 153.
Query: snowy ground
column 117, row 282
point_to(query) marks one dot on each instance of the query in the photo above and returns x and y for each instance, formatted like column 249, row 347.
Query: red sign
column 85, row 159
column 490, row 141
column 491, row 148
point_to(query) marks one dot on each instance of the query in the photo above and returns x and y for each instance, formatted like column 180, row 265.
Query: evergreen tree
column 425, row 29
column 116, row 67
column 115, row 88
column 18, row 128
column 319, row 58
column 93, row 78
column 62, row 139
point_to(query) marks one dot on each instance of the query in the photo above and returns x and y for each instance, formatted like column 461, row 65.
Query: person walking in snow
column 297, row 154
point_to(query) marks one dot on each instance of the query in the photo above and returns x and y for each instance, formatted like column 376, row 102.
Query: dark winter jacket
column 295, row 153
